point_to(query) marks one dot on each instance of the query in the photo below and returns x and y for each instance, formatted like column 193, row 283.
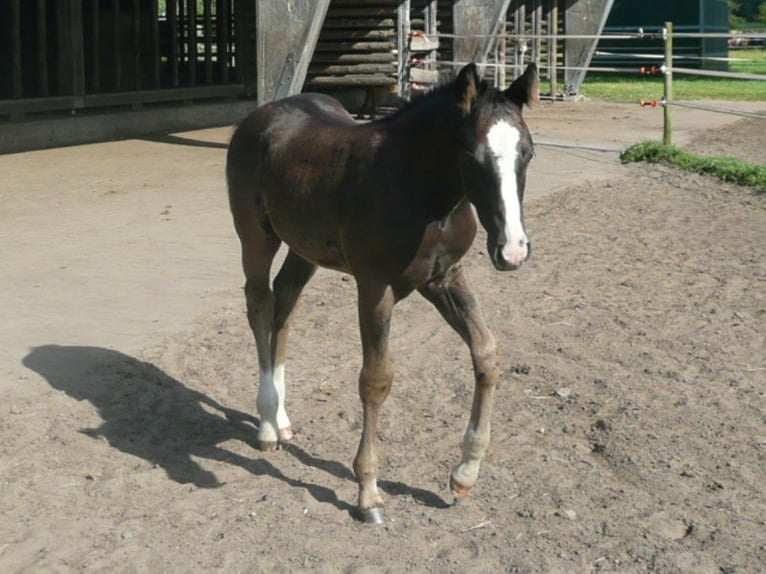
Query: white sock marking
column 271, row 404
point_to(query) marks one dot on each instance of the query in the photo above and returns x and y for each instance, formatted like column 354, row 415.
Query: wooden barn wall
column 72, row 55
column 78, row 54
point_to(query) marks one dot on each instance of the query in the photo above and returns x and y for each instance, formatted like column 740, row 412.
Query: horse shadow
column 153, row 416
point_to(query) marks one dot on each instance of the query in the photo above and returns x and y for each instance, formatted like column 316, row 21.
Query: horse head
column 496, row 149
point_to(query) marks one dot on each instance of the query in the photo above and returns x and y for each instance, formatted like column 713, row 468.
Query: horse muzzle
column 510, row 257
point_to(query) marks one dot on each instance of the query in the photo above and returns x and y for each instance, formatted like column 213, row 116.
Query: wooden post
column 16, row 74
column 667, row 130
column 538, row 32
column 94, row 83
column 42, row 48
column 172, row 15
column 553, row 49
column 135, row 27
column 521, row 40
column 155, row 30
column 502, row 46
column 223, row 19
column 70, row 48
column 116, row 46
column 207, row 17
column 191, row 38
column 403, row 54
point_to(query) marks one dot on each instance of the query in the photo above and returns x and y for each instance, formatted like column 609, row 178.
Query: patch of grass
column 725, row 168
column 634, row 88
column 748, row 60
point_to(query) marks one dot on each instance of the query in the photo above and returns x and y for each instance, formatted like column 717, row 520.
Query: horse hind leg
column 257, row 256
column 288, row 285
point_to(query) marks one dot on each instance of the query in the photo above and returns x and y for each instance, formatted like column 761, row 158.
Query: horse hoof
column 267, row 445
column 286, row 434
column 458, row 490
column 372, row 515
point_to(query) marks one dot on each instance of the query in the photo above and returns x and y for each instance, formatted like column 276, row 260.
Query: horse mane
column 442, row 93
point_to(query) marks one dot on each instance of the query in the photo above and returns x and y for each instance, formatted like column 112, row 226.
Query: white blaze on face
column 503, row 139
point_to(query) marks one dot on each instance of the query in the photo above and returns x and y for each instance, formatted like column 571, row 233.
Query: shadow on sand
column 151, row 415
column 183, row 140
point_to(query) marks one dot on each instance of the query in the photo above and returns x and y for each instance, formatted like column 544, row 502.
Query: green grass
column 635, row 87
column 748, row 60
column 724, row 168
column 619, row 88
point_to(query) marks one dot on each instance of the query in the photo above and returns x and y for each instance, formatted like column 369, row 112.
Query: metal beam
column 583, row 17
column 286, row 36
column 476, row 24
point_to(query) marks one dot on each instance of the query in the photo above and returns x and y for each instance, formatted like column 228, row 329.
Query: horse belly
column 308, row 229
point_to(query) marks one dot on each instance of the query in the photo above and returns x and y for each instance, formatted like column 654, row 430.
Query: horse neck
column 430, row 149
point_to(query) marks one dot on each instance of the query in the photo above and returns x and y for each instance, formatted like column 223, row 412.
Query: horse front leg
column 375, row 305
column 457, row 303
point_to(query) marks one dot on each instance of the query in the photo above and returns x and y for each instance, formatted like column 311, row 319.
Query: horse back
column 290, row 166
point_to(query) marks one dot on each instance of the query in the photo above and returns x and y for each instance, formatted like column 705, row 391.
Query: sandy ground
column 629, row 431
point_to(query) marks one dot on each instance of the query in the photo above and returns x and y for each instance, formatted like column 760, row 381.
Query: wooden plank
column 36, row 105
column 423, row 44
column 355, row 46
column 327, row 35
column 353, row 69
column 354, row 58
column 167, row 95
column 421, row 76
column 356, row 23
column 64, row 103
column 351, row 81
column 364, row 12
column 355, row 3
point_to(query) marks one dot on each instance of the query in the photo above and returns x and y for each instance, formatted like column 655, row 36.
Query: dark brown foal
column 394, row 203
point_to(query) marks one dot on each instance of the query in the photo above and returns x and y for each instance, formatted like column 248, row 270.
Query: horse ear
column 467, row 88
column 525, row 89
